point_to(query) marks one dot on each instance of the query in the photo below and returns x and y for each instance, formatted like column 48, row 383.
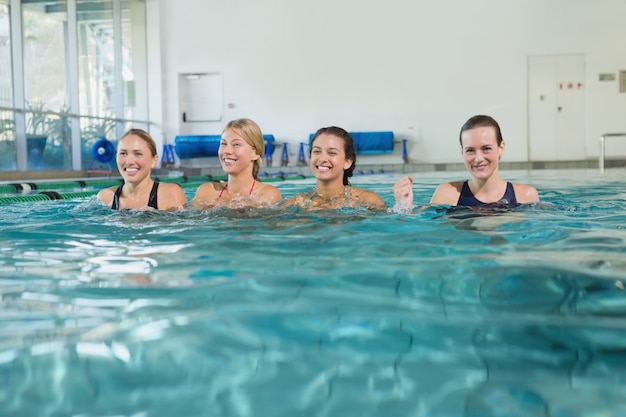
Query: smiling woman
column 482, row 147
column 332, row 161
column 240, row 151
column 136, row 157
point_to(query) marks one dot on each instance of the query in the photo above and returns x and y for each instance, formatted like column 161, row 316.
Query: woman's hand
column 403, row 192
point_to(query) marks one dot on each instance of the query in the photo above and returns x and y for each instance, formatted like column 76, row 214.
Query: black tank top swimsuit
column 152, row 200
column 467, row 198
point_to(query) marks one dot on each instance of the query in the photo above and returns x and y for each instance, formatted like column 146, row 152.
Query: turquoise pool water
column 283, row 313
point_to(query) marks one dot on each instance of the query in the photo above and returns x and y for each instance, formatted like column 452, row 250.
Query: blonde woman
column 136, row 157
column 240, row 151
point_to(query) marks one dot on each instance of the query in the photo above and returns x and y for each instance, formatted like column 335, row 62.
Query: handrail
column 601, row 155
column 76, row 115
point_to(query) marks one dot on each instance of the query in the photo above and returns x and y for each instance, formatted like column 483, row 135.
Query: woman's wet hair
column 348, row 147
column 251, row 133
column 481, row 121
column 145, row 136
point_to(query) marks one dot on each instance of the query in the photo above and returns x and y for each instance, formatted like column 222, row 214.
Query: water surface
column 515, row 312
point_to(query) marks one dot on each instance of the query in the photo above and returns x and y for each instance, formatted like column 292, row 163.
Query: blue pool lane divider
column 372, row 172
column 280, row 175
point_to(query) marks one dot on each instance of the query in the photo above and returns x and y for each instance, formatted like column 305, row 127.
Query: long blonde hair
column 251, row 133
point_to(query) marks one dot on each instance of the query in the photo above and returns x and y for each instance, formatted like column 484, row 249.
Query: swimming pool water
column 284, row 313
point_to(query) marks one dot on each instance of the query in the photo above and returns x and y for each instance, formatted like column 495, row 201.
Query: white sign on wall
column 201, row 97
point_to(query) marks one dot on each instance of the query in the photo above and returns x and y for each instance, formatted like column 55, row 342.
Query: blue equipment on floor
column 405, row 153
column 370, row 142
column 168, row 155
column 284, row 160
column 301, row 157
column 205, row 146
column 103, row 152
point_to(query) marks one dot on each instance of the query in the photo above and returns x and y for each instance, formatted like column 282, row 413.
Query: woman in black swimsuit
column 136, row 157
column 482, row 147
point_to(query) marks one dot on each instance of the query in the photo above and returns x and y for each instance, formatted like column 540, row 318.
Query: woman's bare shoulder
column 209, row 186
column 447, row 193
column 452, row 185
column 296, row 200
column 205, row 193
column 106, row 195
column 171, row 196
column 525, row 193
column 270, row 193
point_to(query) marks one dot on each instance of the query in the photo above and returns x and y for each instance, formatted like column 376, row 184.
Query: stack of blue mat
column 203, row 146
column 370, row 142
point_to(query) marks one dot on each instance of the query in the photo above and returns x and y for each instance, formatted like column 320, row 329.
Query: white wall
column 417, row 67
column 155, row 81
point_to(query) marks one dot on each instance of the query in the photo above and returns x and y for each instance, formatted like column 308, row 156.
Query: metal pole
column 601, row 155
column 72, row 82
column 19, row 94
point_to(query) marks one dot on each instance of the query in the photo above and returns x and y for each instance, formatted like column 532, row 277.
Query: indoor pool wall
column 247, row 313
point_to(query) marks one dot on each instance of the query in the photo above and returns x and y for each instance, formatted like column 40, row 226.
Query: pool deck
column 402, row 167
column 276, row 169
